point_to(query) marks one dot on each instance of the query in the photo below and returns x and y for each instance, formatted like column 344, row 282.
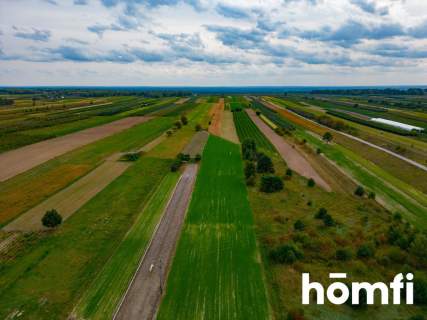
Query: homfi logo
column 339, row 292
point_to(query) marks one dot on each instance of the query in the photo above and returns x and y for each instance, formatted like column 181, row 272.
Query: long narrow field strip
column 103, row 296
column 217, row 114
column 21, row 193
column 228, row 129
column 293, row 158
column 197, row 143
column 20, row 160
column 246, row 129
column 216, row 273
column 143, row 296
column 70, row 199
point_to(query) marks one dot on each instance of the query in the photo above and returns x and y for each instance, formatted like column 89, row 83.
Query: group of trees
column 258, row 162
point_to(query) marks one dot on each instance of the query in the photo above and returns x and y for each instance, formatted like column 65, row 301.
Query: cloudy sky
column 200, row 42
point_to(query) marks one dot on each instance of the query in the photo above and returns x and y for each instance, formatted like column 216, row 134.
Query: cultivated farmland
column 216, row 269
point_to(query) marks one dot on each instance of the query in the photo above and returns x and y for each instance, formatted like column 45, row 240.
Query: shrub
column 321, row 213
column 343, row 254
column 264, row 164
column 328, row 220
column 311, row 183
column 169, row 133
column 271, row 184
column 133, row 156
column 420, row 291
column 419, row 246
column 184, row 120
column 372, row 195
column 327, row 137
column 287, row 253
column 197, row 157
column 249, row 169
column 198, row 127
column 299, row 225
column 51, row 219
column 176, row 165
column 289, row 172
column 319, row 151
column 250, row 181
column 185, row 157
column 178, row 124
column 417, row 317
column 360, row 191
column 365, row 251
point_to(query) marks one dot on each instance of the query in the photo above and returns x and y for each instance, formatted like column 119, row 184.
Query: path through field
column 293, row 158
column 143, row 296
column 196, row 144
column 20, row 160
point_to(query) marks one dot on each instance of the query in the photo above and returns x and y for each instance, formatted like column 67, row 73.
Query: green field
column 246, row 129
column 46, row 278
column 101, row 299
column 216, row 272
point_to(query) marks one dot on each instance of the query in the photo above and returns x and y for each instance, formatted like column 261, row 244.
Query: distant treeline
column 6, row 102
column 389, row 91
column 85, row 92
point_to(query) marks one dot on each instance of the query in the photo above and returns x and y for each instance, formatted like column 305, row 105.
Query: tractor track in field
column 20, row 160
column 143, row 296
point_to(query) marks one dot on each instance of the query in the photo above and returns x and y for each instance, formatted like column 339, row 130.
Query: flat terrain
column 20, row 160
column 145, row 291
column 293, row 158
column 196, row 144
column 217, row 114
column 228, row 129
column 70, row 199
column 216, row 272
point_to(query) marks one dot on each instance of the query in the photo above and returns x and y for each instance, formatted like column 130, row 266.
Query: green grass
column 46, row 278
column 101, row 299
column 26, row 190
column 246, row 129
column 216, row 273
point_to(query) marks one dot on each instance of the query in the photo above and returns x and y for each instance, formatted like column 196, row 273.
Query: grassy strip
column 246, row 129
column 26, row 190
column 218, row 237
column 46, row 279
column 101, row 299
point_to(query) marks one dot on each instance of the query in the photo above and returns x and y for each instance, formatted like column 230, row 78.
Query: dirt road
column 293, row 158
column 144, row 293
column 228, row 130
column 20, row 160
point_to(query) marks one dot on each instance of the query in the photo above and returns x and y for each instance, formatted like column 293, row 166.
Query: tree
column 311, row 183
column 299, row 225
column 51, row 219
column 327, row 137
column 271, row 184
column 420, row 291
column 321, row 213
column 343, row 254
column 178, row 124
column 249, row 149
column 169, row 133
column 264, row 164
column 360, row 191
column 289, row 173
column 365, row 251
column 371, row 195
column 287, row 253
column 198, row 127
column 249, row 169
column 198, row 157
column 184, row 120
column 328, row 220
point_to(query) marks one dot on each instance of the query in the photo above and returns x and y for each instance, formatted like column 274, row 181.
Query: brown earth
column 217, row 112
column 20, row 160
column 294, row 159
column 228, row 130
column 144, row 293
column 182, row 100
